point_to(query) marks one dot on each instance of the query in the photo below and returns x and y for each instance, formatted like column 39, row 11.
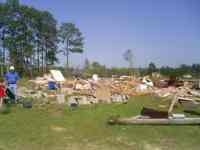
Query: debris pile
column 106, row 90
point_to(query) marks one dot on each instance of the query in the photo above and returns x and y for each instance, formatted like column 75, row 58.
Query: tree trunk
column 38, row 57
column 67, row 54
column 46, row 57
column 2, row 62
column 46, row 60
column 4, row 56
column 42, row 60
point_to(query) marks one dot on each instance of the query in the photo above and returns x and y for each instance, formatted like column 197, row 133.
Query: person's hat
column 12, row 68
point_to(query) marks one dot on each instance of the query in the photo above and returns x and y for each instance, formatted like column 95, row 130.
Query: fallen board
column 57, row 76
column 149, row 121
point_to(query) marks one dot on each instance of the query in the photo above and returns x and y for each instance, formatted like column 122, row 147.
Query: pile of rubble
column 41, row 81
column 104, row 90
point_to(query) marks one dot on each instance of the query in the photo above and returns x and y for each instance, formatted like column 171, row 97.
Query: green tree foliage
column 72, row 39
column 87, row 64
column 28, row 35
column 102, row 70
column 96, row 68
column 195, row 68
column 183, row 69
column 152, row 68
column 13, row 3
column 128, row 56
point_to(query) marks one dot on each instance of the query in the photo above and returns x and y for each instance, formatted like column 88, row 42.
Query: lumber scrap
column 149, row 121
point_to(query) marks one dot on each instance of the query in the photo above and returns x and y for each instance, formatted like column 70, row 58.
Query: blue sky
column 166, row 32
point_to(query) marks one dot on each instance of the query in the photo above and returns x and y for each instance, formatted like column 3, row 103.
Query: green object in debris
column 27, row 103
column 10, row 94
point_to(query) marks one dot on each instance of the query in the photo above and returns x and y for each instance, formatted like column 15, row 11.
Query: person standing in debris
column 11, row 78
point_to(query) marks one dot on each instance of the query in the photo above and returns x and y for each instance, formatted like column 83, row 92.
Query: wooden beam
column 142, row 121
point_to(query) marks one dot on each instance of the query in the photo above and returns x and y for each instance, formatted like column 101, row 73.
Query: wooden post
column 150, row 121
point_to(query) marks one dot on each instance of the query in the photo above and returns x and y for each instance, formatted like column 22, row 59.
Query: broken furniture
column 154, row 117
column 188, row 103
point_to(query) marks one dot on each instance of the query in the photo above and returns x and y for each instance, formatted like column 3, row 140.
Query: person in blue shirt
column 11, row 78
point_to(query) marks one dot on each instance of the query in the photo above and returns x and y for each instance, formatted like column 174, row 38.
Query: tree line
column 95, row 67
column 30, row 38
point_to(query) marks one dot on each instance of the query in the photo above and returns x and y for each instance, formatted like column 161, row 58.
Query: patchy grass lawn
column 58, row 128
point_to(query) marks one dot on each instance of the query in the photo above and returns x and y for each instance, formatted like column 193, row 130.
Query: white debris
column 60, row 98
column 119, row 98
column 141, row 88
column 147, row 82
column 95, row 77
column 72, row 102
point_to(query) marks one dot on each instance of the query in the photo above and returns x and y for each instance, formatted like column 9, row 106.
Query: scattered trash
column 119, row 98
column 72, row 102
column 27, row 104
column 60, row 98
column 95, row 77
column 148, row 82
column 109, row 90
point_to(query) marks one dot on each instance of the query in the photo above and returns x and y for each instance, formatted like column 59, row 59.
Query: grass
column 58, row 128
